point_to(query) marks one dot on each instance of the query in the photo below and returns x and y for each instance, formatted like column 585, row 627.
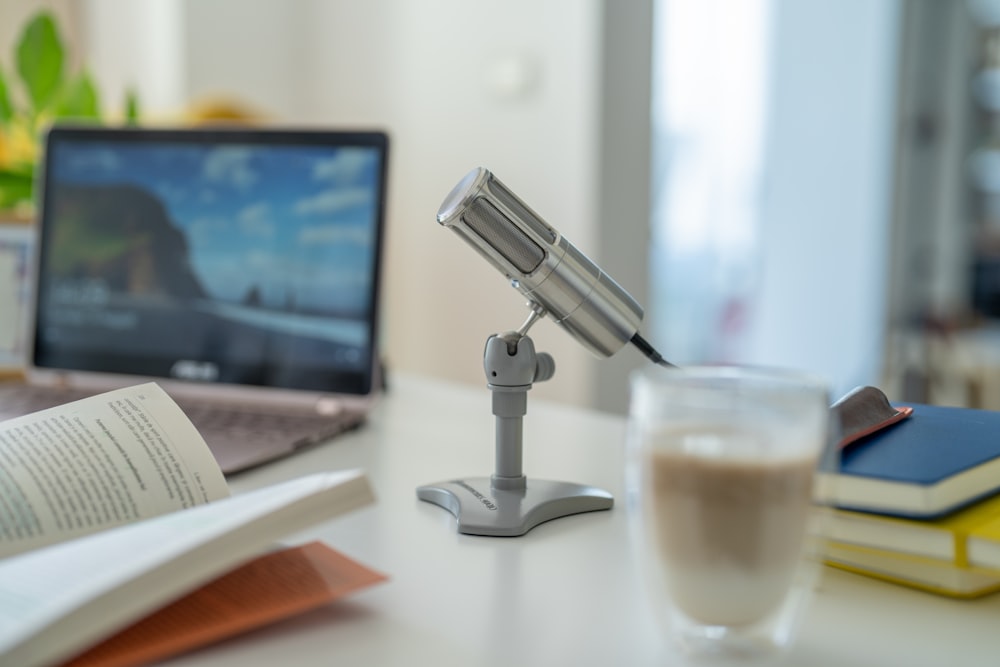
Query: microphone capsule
column 540, row 263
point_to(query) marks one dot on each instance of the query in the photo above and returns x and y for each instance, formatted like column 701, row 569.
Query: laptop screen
column 246, row 257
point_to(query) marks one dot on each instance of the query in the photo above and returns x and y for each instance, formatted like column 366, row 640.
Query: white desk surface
column 564, row 594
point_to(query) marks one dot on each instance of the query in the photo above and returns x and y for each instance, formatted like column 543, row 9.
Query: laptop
column 238, row 268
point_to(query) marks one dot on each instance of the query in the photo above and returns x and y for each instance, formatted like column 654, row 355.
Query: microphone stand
column 508, row 503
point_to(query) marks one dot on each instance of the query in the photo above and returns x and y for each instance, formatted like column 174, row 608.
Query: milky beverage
column 729, row 531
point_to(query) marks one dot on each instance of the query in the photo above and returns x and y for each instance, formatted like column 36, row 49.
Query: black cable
column 649, row 351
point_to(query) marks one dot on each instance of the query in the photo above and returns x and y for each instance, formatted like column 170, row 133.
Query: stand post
column 508, row 503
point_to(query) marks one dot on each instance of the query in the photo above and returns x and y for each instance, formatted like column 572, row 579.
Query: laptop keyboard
column 18, row 399
column 240, row 438
column 215, row 421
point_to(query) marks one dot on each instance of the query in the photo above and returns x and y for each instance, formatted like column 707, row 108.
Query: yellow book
column 983, row 548
column 928, row 574
column 968, row 538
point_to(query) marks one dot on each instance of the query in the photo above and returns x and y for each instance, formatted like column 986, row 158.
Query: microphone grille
column 505, row 237
column 522, row 212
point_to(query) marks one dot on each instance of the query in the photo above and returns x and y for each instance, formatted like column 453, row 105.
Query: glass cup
column 721, row 468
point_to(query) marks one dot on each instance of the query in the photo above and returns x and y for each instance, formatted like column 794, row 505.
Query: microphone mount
column 508, row 503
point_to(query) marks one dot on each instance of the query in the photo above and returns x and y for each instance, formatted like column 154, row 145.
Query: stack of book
column 918, row 502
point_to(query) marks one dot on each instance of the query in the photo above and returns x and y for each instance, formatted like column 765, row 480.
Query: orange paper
column 269, row 588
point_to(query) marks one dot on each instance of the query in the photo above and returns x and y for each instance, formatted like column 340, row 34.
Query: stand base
column 484, row 510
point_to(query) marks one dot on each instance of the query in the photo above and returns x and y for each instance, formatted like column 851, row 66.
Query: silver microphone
column 541, row 264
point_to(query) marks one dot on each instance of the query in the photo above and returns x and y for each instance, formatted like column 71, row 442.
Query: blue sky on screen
column 301, row 216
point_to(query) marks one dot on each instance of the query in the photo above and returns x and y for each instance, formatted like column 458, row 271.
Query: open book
column 112, row 506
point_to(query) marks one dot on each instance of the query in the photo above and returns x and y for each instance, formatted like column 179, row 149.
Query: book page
column 271, row 587
column 984, row 539
column 100, row 462
column 61, row 599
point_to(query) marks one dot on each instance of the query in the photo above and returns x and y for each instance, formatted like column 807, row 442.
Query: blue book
column 934, row 462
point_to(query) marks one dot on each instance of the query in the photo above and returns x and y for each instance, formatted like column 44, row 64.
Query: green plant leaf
column 131, row 107
column 40, row 60
column 16, row 187
column 79, row 99
column 6, row 108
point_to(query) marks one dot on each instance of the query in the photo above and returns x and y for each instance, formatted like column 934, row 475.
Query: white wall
column 622, row 246
column 774, row 167
column 136, row 45
column 514, row 87
column 826, row 207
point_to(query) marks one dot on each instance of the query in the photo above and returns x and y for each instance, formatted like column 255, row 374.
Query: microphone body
column 546, row 268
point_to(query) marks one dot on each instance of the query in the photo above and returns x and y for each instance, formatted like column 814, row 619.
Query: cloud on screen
column 334, row 200
column 257, row 220
column 229, row 165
